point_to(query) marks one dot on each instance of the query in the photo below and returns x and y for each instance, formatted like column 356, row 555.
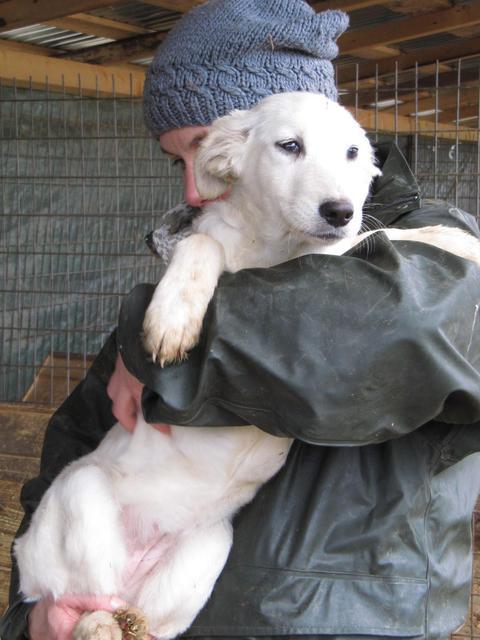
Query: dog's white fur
column 172, row 497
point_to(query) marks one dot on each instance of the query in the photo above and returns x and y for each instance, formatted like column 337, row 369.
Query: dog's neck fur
column 264, row 237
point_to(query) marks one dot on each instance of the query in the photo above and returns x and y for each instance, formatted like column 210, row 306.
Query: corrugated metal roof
column 370, row 16
column 139, row 14
column 45, row 35
column 435, row 40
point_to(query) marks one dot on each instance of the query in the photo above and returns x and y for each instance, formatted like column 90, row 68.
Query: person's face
column 181, row 144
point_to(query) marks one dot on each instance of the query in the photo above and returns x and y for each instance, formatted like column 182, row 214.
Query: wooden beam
column 467, row 77
column 96, row 26
column 344, row 5
column 70, row 76
column 413, row 7
column 175, row 5
column 450, row 115
column 403, row 90
column 467, row 32
column 444, row 100
column 385, row 122
column 126, row 49
column 406, row 62
column 21, row 13
column 374, row 52
column 396, row 31
column 23, row 47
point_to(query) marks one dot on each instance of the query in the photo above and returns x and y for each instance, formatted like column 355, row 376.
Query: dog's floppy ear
column 220, row 155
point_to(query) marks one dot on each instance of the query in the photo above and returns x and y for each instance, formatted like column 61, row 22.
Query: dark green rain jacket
column 372, row 362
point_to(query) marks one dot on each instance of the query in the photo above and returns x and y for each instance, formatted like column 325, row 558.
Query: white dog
column 147, row 516
column 300, row 168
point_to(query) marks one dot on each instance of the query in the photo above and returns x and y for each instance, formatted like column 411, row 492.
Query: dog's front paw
column 169, row 331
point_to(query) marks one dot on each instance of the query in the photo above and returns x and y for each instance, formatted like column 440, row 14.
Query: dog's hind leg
column 125, row 624
column 173, row 594
column 97, row 625
column 450, row 239
column 75, row 542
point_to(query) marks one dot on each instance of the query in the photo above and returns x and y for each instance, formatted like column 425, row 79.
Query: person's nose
column 191, row 195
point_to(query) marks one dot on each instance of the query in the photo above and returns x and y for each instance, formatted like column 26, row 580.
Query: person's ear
column 221, row 153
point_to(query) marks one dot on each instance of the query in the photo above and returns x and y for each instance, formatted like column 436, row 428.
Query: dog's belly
column 144, row 558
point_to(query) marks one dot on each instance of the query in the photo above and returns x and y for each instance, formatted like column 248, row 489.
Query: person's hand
column 55, row 620
column 125, row 392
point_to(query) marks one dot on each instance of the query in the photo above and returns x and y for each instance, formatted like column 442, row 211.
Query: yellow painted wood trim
column 74, row 77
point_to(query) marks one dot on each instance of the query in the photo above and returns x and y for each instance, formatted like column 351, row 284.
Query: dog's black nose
column 338, row 213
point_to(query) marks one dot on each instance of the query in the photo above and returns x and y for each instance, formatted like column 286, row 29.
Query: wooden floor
column 21, row 435
column 22, row 426
column 56, row 378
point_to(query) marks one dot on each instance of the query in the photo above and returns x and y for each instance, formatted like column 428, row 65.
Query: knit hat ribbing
column 229, row 54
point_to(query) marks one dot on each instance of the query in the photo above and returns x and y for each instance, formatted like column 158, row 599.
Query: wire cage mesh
column 83, row 182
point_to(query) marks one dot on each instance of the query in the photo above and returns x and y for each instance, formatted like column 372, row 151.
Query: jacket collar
column 396, row 191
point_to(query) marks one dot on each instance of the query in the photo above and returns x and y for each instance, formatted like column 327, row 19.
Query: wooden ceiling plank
column 25, row 47
column 450, row 115
column 127, row 49
column 96, row 26
column 122, row 26
column 414, row 6
column 389, row 80
column 345, row 5
column 370, row 98
column 444, row 100
column 402, row 90
column 445, row 53
column 175, row 5
column 467, row 32
column 423, row 25
column 374, row 52
column 21, row 13
column 385, row 122
column 25, row 68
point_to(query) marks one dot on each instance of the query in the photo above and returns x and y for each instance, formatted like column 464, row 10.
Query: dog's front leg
column 173, row 320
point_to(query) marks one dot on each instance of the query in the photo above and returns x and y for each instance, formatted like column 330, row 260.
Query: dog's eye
column 291, row 146
column 352, row 152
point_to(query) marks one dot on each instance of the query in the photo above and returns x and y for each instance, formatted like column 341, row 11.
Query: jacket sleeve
column 333, row 350
column 74, row 430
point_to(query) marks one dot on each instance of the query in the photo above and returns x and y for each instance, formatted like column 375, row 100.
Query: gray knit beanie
column 229, row 54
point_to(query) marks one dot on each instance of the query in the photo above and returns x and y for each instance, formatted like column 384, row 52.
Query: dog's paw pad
column 169, row 341
column 97, row 625
column 133, row 623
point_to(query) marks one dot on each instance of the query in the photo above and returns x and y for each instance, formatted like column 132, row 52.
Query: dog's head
column 297, row 159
